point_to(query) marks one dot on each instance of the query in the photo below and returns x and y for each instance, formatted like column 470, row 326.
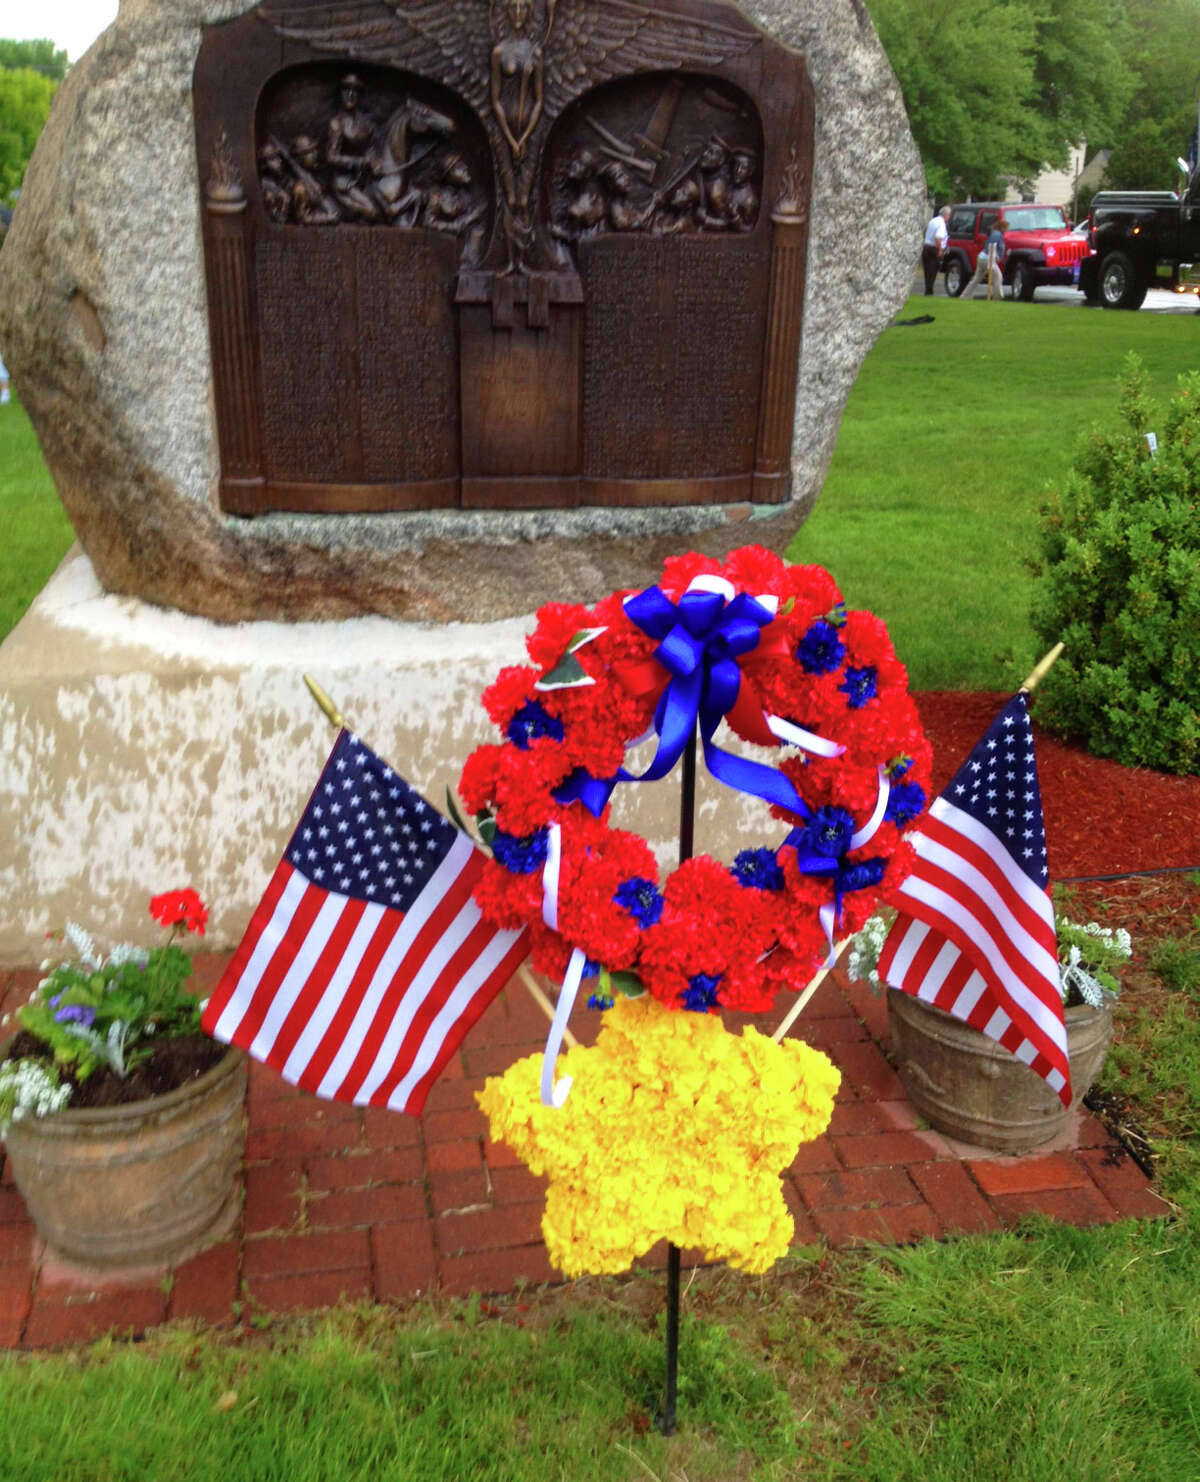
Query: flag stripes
column 1017, row 946
column 339, row 996
column 346, row 996
column 975, row 932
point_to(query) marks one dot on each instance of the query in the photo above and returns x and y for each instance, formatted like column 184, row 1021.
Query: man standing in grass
column 936, row 237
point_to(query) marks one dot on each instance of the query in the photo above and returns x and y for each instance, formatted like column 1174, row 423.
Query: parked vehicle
column 1140, row 239
column 1040, row 245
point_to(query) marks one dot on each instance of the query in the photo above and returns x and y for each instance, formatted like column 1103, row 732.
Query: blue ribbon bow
column 700, row 638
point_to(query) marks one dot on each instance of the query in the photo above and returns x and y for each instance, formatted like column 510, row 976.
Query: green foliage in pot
column 1091, row 960
column 1119, row 584
column 93, row 1011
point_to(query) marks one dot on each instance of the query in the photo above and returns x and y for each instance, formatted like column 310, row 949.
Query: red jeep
column 1040, row 246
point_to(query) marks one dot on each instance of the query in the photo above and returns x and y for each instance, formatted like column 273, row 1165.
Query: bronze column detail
column 235, row 366
column 785, row 312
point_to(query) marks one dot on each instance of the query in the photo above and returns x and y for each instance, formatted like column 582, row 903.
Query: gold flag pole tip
column 332, row 713
column 1042, row 668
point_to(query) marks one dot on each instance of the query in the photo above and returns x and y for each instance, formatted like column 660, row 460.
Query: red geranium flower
column 180, row 908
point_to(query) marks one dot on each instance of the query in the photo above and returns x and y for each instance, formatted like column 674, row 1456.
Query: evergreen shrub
column 1119, row 584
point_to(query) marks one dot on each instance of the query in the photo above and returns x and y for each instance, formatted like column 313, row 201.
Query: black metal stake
column 666, row 1416
column 687, row 819
column 687, row 801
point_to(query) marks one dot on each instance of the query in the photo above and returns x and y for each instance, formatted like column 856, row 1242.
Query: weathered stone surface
column 102, row 316
column 143, row 750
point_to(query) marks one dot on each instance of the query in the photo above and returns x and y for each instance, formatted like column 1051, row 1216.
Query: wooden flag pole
column 1042, row 668
column 338, row 720
column 543, row 1002
column 798, row 1007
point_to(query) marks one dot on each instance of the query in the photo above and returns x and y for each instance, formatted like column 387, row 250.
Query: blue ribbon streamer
column 700, row 638
column 811, row 863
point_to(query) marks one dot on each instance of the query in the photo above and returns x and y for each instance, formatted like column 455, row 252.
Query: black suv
column 1039, row 245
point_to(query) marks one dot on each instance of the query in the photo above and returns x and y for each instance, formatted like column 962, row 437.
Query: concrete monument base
column 144, row 750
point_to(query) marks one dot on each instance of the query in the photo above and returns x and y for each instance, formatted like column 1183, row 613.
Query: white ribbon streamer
column 868, row 830
column 708, row 582
column 550, row 874
column 798, row 736
column 555, row 1093
column 827, row 915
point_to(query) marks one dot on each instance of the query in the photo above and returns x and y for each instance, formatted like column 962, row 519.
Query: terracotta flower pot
column 972, row 1088
column 140, row 1184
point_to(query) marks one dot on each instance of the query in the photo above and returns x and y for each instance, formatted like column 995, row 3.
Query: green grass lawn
column 37, row 532
column 434, row 1396
column 1030, row 1356
column 951, row 435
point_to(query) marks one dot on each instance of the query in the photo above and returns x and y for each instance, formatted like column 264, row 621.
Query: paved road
column 1158, row 300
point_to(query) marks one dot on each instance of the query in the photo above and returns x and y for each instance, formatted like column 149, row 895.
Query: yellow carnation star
column 674, row 1130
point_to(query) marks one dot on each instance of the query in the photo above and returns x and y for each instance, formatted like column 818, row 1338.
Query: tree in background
column 39, row 56
column 30, row 72
column 1162, row 57
column 1000, row 90
column 966, row 76
column 1081, row 73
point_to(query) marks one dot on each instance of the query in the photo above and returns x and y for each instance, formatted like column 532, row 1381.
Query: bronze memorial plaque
column 502, row 253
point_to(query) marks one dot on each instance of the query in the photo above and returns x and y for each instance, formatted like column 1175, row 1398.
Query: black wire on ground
column 1127, row 875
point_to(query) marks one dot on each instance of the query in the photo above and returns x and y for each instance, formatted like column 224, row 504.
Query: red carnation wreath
column 770, row 649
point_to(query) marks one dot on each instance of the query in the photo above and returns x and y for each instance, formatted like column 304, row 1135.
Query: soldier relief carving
column 667, row 155
column 379, row 157
column 513, row 213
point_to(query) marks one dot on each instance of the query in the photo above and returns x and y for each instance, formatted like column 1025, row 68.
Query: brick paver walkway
column 372, row 1205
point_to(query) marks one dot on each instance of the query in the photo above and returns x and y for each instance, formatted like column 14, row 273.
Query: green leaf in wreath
column 567, row 674
column 627, row 983
column 585, row 635
column 487, row 826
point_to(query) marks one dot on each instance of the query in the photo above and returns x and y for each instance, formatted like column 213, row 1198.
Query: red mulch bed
column 1101, row 818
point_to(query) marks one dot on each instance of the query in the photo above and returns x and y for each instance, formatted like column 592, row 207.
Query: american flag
column 366, row 961
column 975, row 934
